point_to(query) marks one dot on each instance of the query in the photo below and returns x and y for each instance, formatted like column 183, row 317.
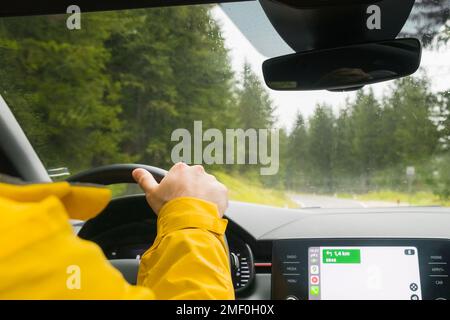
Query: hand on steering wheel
column 182, row 181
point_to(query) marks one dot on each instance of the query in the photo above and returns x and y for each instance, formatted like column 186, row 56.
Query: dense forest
column 116, row 89
column 371, row 142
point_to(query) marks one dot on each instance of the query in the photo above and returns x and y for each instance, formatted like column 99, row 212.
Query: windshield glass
column 162, row 85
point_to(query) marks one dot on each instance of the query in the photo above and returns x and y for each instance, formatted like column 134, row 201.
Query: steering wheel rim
column 115, row 174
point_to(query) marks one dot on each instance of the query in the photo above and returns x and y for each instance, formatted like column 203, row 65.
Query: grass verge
column 241, row 189
column 415, row 199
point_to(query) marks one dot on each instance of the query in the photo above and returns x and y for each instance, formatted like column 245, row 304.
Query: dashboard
column 309, row 254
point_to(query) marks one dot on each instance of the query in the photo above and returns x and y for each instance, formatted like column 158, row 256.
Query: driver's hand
column 182, row 181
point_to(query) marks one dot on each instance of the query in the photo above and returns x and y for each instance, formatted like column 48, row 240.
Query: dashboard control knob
column 235, row 261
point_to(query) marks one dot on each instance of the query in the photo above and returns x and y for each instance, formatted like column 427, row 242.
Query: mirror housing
column 324, row 27
column 344, row 68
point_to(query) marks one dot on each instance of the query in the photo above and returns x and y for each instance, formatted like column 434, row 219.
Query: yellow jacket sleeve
column 189, row 259
column 41, row 258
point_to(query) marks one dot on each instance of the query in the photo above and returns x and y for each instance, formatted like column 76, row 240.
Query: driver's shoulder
column 81, row 202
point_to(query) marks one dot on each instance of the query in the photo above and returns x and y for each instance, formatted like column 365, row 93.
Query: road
column 312, row 201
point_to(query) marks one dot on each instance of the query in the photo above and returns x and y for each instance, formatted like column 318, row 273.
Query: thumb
column 145, row 180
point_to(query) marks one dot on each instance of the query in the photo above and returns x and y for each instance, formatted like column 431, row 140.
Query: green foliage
column 441, row 185
column 170, row 75
column 296, row 155
column 411, row 106
column 255, row 107
column 116, row 89
column 58, row 87
column 321, row 147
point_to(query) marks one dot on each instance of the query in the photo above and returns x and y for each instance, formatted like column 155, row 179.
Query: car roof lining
column 25, row 7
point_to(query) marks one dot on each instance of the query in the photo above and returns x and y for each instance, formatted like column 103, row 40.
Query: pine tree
column 255, row 107
column 366, row 126
column 297, row 157
column 321, row 147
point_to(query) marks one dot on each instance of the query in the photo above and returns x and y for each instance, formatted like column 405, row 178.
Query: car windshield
column 162, row 85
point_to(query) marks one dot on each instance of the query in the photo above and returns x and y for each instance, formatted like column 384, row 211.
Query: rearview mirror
column 344, row 68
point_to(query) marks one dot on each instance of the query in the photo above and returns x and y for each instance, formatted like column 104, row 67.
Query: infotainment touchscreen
column 360, row 273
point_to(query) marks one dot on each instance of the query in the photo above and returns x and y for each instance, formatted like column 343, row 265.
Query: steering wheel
column 115, row 174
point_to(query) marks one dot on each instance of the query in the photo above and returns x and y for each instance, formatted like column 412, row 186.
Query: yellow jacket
column 41, row 258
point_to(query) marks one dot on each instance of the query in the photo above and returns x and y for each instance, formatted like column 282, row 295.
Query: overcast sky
column 437, row 65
